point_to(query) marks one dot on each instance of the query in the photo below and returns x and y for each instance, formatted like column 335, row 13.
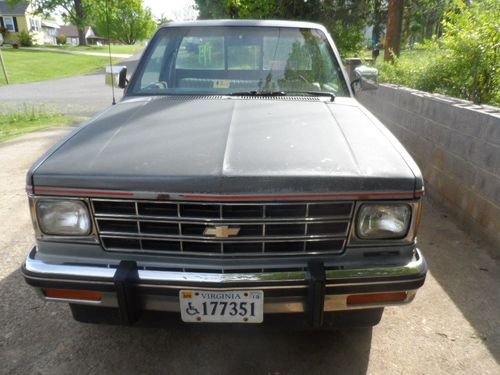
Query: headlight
column 383, row 221
column 63, row 217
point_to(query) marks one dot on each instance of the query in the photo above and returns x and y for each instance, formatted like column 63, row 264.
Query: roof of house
column 17, row 10
column 71, row 31
column 50, row 23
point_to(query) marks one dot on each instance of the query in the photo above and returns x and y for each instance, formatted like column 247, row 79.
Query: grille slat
column 223, row 229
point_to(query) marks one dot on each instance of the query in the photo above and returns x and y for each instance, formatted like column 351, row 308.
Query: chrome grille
column 180, row 228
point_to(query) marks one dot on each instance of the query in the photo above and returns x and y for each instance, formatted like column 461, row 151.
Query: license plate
column 234, row 306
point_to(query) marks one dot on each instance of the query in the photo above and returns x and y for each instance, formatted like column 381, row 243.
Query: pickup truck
column 237, row 177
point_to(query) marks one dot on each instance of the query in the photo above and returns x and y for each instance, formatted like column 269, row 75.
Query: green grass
column 409, row 69
column 120, row 48
column 28, row 119
column 25, row 65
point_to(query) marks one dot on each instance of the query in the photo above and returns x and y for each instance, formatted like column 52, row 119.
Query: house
column 50, row 31
column 71, row 34
column 17, row 18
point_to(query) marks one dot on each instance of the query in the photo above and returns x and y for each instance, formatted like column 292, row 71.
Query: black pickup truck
column 237, row 177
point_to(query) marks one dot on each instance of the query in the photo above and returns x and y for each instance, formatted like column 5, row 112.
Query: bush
column 25, row 39
column 61, row 39
column 464, row 63
column 472, row 43
column 410, row 68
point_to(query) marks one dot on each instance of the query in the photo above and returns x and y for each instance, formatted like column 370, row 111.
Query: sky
column 177, row 10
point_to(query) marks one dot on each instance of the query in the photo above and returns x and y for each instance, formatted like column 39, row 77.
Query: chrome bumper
column 284, row 292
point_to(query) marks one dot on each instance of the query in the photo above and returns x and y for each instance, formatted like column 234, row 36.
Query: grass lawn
column 412, row 56
column 410, row 67
column 29, row 66
column 119, row 48
column 29, row 119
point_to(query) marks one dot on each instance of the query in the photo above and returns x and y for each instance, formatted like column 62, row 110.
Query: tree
column 344, row 19
column 464, row 62
column 394, row 24
column 211, row 9
column 423, row 18
column 74, row 11
column 162, row 20
column 379, row 19
column 470, row 66
column 129, row 20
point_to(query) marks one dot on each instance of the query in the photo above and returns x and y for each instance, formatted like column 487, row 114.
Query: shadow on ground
column 466, row 271
column 41, row 337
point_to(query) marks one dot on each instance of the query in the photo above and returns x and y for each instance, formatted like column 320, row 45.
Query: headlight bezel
column 408, row 238
column 40, row 234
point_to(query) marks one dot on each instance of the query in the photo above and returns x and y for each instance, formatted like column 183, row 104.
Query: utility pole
column 394, row 24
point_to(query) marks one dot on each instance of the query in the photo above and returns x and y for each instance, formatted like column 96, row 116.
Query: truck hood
column 229, row 145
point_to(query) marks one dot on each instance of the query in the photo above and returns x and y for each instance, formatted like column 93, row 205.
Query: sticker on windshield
column 221, row 84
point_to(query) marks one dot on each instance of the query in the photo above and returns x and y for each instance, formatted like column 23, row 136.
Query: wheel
column 353, row 318
column 95, row 315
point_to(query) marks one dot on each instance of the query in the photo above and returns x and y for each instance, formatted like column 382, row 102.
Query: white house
column 50, row 31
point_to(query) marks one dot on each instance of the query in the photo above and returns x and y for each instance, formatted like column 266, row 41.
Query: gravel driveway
column 453, row 326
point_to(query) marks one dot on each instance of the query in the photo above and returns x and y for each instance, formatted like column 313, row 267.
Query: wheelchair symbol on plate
column 191, row 310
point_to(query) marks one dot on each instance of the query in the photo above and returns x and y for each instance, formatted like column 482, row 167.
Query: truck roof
column 262, row 23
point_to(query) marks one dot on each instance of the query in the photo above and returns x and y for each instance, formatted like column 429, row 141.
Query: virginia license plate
column 235, row 306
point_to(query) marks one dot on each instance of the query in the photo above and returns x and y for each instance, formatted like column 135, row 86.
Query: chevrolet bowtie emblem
column 222, row 231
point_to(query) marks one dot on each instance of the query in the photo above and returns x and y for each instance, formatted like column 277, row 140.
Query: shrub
column 25, row 39
column 61, row 39
column 463, row 63
column 469, row 68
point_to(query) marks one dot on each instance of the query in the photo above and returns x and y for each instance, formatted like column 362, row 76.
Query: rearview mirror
column 365, row 78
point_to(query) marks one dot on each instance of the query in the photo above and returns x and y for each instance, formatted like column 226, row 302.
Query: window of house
column 8, row 21
column 35, row 24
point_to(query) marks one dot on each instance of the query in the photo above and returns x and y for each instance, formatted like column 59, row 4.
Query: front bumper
column 133, row 289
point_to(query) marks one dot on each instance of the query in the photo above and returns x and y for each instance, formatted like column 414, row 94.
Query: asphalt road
column 81, row 95
column 453, row 326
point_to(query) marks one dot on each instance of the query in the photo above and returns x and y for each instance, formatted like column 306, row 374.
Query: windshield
column 234, row 60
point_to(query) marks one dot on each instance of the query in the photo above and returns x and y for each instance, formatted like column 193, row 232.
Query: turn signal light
column 86, row 295
column 362, row 299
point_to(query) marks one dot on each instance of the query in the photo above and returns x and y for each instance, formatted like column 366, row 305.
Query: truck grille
column 223, row 229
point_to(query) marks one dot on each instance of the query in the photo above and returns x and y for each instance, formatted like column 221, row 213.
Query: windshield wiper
column 331, row 95
column 258, row 93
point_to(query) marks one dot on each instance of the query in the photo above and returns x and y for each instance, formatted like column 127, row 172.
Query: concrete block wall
column 457, row 146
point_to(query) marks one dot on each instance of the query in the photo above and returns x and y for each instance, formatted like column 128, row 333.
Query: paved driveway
column 81, row 95
column 453, row 326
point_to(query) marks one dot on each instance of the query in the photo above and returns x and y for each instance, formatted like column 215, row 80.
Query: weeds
column 28, row 118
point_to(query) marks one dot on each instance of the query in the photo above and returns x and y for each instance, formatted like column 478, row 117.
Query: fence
column 457, row 146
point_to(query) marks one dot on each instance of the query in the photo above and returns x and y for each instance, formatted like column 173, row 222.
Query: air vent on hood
column 256, row 97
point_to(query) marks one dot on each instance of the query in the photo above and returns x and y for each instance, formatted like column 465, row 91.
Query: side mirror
column 365, row 78
column 117, row 76
column 122, row 78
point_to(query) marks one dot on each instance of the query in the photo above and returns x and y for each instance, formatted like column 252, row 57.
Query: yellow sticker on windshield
column 221, row 84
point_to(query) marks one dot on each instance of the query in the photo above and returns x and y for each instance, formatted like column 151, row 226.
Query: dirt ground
column 452, row 327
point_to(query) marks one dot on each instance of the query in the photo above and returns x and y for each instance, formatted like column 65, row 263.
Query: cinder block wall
column 457, row 146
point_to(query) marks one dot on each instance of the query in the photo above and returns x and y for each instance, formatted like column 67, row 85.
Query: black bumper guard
column 126, row 278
